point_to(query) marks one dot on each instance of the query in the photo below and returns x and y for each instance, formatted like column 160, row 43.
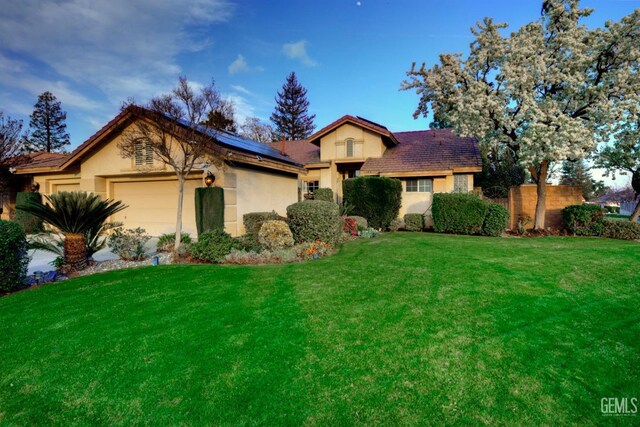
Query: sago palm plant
column 75, row 214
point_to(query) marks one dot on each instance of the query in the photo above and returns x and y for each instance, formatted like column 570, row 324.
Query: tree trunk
column 179, row 215
column 75, row 251
column 541, row 203
column 636, row 212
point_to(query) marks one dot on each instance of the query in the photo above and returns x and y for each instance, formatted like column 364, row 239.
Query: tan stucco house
column 255, row 177
column 427, row 162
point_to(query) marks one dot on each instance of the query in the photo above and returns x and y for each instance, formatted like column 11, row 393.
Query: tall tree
column 222, row 117
column 291, row 116
column 170, row 125
column 578, row 173
column 254, row 129
column 48, row 125
column 624, row 154
column 546, row 91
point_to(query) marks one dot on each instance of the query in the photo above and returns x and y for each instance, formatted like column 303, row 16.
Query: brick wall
column 522, row 200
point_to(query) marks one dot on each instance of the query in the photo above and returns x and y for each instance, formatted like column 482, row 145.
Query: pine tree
column 291, row 117
column 48, row 127
column 578, row 173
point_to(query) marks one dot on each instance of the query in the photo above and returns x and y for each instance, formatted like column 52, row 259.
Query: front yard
column 408, row 328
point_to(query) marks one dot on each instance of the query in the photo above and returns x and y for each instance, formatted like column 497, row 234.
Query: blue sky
column 350, row 55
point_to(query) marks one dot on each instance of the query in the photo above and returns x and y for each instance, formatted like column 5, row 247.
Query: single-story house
column 427, row 162
column 255, row 177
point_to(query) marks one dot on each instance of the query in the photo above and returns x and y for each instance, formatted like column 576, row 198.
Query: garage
column 152, row 205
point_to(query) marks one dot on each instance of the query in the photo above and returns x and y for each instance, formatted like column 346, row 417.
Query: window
column 460, row 184
column 353, row 173
column 422, row 185
column 349, row 144
column 143, row 153
column 310, row 186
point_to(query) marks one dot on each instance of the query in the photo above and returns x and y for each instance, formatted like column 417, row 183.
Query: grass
column 403, row 329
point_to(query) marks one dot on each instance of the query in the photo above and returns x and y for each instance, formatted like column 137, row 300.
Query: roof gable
column 387, row 137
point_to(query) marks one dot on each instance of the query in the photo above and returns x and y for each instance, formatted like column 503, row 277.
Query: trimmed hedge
column 466, row 213
column 619, row 229
column 213, row 246
column 209, row 209
column 13, row 256
column 315, row 219
column 374, row 197
column 583, row 220
column 459, row 213
column 29, row 223
column 414, row 222
column 496, row 220
column 325, row 194
column 253, row 222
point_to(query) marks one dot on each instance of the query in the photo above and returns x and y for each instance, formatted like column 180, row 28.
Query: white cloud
column 242, row 108
column 239, row 65
column 120, row 47
column 298, row 51
column 241, row 89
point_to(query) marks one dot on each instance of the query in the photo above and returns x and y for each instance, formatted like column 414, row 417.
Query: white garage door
column 153, row 205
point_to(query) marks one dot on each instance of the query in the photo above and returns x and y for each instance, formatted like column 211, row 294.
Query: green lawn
column 402, row 329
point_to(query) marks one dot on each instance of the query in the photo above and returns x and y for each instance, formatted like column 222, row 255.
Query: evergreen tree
column 222, row 116
column 291, row 117
column 48, row 127
column 577, row 173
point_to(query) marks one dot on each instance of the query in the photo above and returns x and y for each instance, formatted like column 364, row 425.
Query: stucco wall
column 259, row 191
column 366, row 144
column 523, row 199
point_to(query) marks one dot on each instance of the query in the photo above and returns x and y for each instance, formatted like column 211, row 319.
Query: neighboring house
column 17, row 183
column 255, row 178
column 427, row 162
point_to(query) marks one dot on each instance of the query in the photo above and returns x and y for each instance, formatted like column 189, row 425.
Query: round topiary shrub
column 275, row 235
column 30, row 223
column 325, row 194
column 13, row 256
column 313, row 220
column 414, row 222
column 213, row 246
column 361, row 222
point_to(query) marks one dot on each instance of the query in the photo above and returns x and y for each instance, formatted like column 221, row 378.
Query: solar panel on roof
column 372, row 122
column 236, row 141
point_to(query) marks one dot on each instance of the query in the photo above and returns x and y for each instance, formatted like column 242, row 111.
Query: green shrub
column 496, row 220
column 315, row 219
column 414, row 222
column 253, row 222
column 361, row 222
column 459, row 213
column 325, row 194
column 30, row 224
column 583, row 220
column 129, row 244
column 213, row 246
column 209, row 204
column 618, row 229
column 167, row 241
column 612, row 209
column 274, row 235
column 374, row 197
column 13, row 256
column 397, row 224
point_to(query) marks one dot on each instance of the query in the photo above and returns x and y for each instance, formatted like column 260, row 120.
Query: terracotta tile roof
column 438, row 149
column 387, row 136
column 42, row 159
column 302, row 151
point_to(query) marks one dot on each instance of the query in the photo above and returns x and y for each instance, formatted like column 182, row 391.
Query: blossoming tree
column 548, row 92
